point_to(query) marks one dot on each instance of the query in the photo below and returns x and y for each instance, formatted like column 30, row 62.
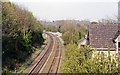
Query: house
column 102, row 37
column 81, row 42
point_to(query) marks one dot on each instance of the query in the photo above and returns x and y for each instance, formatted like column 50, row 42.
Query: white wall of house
column 112, row 53
column 117, row 40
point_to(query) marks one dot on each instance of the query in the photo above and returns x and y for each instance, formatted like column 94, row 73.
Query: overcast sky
column 71, row 9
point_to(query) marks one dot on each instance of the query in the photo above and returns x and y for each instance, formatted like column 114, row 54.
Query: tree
column 20, row 32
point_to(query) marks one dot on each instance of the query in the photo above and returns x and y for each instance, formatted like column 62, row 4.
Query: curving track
column 49, row 59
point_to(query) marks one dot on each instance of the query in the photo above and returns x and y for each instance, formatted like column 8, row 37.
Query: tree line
column 21, row 31
column 72, row 30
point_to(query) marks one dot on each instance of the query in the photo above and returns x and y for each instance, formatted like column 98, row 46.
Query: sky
column 50, row 10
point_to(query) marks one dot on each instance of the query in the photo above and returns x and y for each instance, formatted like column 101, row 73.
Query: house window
column 118, row 44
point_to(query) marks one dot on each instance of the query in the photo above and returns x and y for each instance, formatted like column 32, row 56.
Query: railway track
column 56, row 62
column 53, row 63
column 48, row 61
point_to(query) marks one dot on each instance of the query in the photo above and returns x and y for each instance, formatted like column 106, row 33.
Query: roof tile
column 101, row 36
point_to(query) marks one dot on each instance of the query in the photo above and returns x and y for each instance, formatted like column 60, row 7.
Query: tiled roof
column 101, row 36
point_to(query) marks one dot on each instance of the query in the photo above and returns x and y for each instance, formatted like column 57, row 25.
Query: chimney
column 119, row 16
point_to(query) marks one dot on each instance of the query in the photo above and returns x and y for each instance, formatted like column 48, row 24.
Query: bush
column 80, row 60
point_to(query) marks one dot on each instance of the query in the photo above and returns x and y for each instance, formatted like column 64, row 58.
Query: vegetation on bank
column 21, row 32
column 81, row 60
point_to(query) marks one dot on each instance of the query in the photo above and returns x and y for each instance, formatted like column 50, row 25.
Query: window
column 118, row 44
